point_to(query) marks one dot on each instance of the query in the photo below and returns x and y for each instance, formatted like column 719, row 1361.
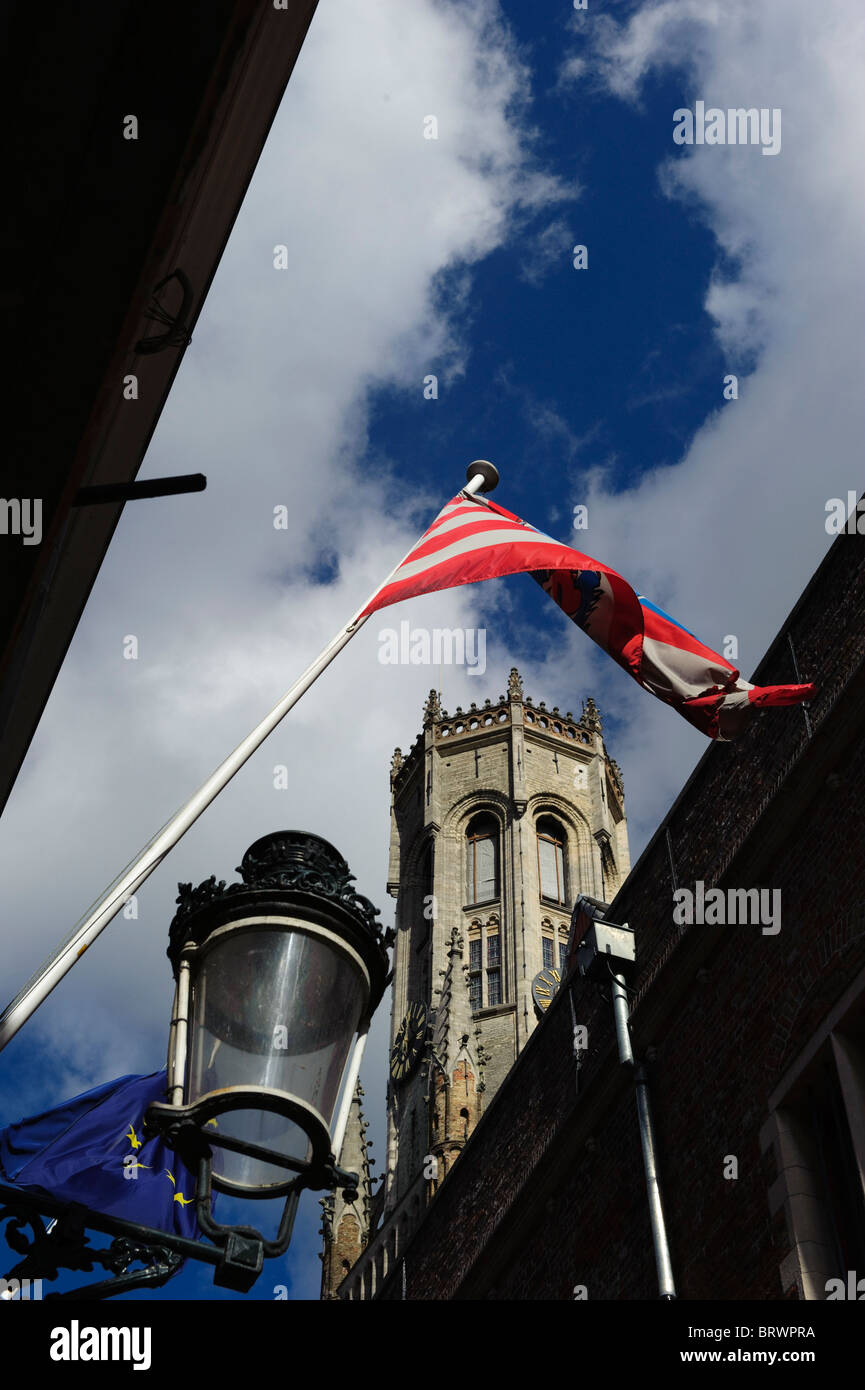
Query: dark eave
column 92, row 223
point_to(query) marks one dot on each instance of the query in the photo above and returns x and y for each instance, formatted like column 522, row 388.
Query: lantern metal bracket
column 182, row 1132
column 242, row 1249
column 186, row 1129
column 63, row 1243
column 237, row 1252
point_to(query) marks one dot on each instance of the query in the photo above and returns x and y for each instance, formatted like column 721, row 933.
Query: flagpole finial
column 486, row 471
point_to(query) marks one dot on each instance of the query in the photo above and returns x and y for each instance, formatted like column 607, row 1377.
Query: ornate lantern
column 277, row 978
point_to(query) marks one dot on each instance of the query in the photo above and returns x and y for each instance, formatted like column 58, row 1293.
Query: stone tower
column 500, row 817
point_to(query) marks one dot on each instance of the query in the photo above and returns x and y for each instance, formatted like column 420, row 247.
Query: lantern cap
column 293, row 869
column 297, row 859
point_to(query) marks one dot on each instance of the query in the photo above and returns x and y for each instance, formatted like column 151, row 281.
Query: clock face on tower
column 544, row 986
column 408, row 1044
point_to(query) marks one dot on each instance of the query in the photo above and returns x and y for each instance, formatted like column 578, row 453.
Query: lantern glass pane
column 279, row 1009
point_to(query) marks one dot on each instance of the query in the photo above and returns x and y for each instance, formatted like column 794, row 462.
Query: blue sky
column 304, row 388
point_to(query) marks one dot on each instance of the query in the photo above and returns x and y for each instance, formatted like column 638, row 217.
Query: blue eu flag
column 93, row 1150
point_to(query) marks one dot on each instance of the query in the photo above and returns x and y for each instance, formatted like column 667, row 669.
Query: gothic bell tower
column 501, row 816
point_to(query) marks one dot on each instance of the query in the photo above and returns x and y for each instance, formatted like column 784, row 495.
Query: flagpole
column 482, row 477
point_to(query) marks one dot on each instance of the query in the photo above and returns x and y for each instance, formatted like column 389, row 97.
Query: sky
column 306, row 390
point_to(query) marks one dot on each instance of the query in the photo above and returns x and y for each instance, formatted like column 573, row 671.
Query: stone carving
column 591, row 717
column 617, row 776
column 432, row 708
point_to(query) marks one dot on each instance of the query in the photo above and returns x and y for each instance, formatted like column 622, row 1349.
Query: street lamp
column 276, row 981
column 277, row 978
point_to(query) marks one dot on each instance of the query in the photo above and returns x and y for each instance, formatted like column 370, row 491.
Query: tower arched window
column 482, row 859
column 548, row 944
column 551, row 860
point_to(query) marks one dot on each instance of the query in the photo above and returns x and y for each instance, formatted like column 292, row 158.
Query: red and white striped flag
column 473, row 539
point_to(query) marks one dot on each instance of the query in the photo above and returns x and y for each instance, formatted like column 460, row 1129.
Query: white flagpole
column 482, row 477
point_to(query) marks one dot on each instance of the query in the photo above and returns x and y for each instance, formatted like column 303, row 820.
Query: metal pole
column 809, row 731
column 180, row 1021
column 482, row 477
column 620, row 1013
column 666, row 1285
column 348, row 1091
column 131, row 492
